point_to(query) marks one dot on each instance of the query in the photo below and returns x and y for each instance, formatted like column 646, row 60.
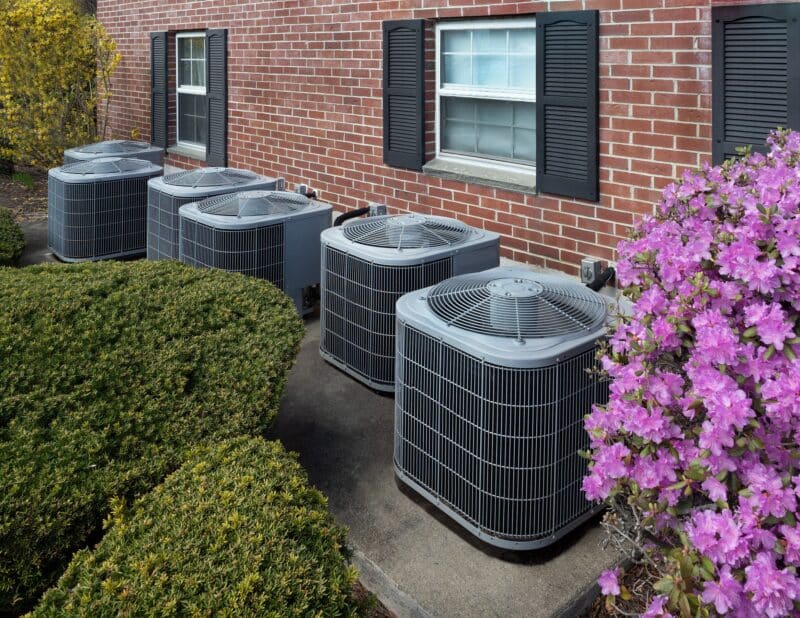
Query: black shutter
column 404, row 93
column 158, row 89
column 217, row 91
column 566, row 104
column 756, row 75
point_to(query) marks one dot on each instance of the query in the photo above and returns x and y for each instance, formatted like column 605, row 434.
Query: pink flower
column 773, row 591
column 715, row 489
column 611, row 460
column 609, row 582
column 717, row 536
column 656, row 609
column 698, row 414
column 723, row 594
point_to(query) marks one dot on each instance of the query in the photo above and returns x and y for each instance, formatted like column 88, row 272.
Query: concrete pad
column 36, row 250
column 414, row 558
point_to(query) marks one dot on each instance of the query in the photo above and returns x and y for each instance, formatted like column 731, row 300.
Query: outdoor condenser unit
column 493, row 385
column 370, row 263
column 272, row 235
column 124, row 149
column 98, row 209
column 166, row 194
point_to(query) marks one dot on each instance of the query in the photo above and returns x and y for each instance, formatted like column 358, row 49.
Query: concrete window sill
column 510, row 180
column 191, row 153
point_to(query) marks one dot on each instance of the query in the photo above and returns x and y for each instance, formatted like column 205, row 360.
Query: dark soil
column 378, row 610
column 25, row 194
column 633, row 579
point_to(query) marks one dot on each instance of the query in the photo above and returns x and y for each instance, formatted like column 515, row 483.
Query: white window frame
column 478, row 92
column 196, row 90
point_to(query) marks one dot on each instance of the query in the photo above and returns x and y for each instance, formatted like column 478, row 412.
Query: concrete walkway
column 36, row 250
column 417, row 561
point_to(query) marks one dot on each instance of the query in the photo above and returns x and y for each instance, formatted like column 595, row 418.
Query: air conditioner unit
column 368, row 264
column 493, row 384
column 124, row 149
column 166, row 194
column 98, row 209
column 272, row 235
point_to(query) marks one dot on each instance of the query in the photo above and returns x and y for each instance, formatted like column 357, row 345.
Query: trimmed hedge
column 12, row 240
column 236, row 531
column 109, row 374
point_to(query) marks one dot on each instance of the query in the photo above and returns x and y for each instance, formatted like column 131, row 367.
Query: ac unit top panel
column 105, row 168
column 509, row 316
column 404, row 240
column 247, row 209
column 110, row 148
column 206, row 181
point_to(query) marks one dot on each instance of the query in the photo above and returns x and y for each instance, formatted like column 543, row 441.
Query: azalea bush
column 56, row 62
column 698, row 450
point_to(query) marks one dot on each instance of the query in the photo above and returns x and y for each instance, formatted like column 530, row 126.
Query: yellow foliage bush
column 56, row 63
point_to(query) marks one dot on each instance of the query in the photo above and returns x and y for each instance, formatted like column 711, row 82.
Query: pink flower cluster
column 702, row 430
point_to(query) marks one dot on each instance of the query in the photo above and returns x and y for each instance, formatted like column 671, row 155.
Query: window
column 486, row 91
column 516, row 101
column 189, row 101
column 192, row 121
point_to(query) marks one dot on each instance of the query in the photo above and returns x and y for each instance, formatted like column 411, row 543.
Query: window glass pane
column 525, row 115
column 191, row 61
column 495, row 112
column 494, row 141
column 184, row 48
column 525, row 144
column 457, row 70
column 522, row 72
column 192, row 119
column 494, row 129
column 198, row 73
column 489, row 58
column 522, row 40
column 456, row 41
column 490, row 71
column 490, row 41
column 198, row 47
column 459, row 109
column 185, row 73
column 458, row 136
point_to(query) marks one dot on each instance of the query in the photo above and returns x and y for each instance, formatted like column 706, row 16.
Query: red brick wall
column 305, row 103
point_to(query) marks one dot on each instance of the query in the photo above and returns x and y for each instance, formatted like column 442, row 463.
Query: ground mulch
column 378, row 610
column 634, row 580
column 27, row 203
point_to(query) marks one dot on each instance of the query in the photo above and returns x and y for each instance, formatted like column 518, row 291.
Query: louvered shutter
column 217, row 97
column 158, row 89
column 404, row 93
column 756, row 75
column 566, row 104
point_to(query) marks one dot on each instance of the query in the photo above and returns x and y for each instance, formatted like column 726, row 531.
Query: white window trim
column 196, row 90
column 478, row 92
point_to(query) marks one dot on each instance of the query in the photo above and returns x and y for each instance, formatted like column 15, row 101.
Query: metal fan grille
column 407, row 232
column 210, row 177
column 254, row 204
column 106, row 166
column 112, row 147
column 522, row 308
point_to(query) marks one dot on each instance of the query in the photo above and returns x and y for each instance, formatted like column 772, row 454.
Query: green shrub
column 236, row 531
column 12, row 241
column 109, row 374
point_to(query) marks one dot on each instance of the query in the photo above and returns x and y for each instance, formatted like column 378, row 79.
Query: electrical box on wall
column 591, row 269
